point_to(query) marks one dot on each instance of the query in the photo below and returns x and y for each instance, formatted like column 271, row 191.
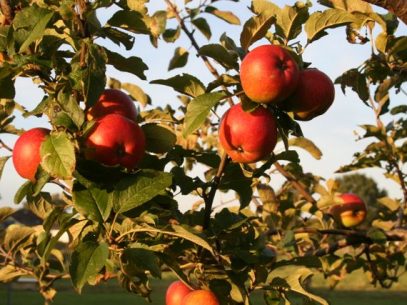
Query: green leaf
column 37, row 32
column 118, row 37
column 159, row 139
column 234, row 179
column 223, row 80
column 265, row 6
column 307, row 145
column 41, row 205
column 138, row 5
column 133, row 64
column 202, row 25
column 348, row 5
column 356, row 81
column 290, row 20
column 157, row 23
column 134, row 191
column 189, row 234
column 179, row 59
column 292, row 278
column 171, row 35
column 22, row 192
column 5, row 212
column 87, row 260
column 318, row 22
column 198, row 110
column 130, row 20
column 93, row 203
column 391, row 204
column 227, row 16
column 139, row 260
column 255, row 28
column 184, row 83
column 58, row 155
column 16, row 236
column 3, row 161
column 377, row 236
column 137, row 93
column 70, row 105
column 89, row 73
column 221, row 55
column 9, row 273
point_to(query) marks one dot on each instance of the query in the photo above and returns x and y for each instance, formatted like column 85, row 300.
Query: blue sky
column 333, row 133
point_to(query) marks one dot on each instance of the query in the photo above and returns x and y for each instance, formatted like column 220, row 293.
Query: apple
column 26, row 152
column 176, row 292
column 268, row 74
column 115, row 140
column 350, row 212
column 314, row 95
column 248, row 136
column 113, row 101
column 200, row 297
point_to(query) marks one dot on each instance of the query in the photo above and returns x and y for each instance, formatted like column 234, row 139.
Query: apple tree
column 121, row 177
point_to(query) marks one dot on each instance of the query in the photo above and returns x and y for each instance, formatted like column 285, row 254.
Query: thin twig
column 194, row 43
column 4, row 145
column 298, row 186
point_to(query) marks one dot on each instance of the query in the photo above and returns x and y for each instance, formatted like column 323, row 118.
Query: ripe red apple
column 248, row 136
column 26, row 152
column 314, row 95
column 200, row 297
column 268, row 74
column 176, row 292
column 113, row 101
column 351, row 212
column 116, row 140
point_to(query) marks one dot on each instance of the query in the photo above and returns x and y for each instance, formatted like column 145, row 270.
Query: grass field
column 354, row 291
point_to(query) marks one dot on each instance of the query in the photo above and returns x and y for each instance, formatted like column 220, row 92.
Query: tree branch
column 194, row 43
column 396, row 7
column 214, row 187
column 298, row 186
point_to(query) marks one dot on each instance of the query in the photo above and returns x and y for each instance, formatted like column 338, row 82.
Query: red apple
column 350, row 212
column 200, row 297
column 268, row 74
column 116, row 140
column 113, row 101
column 26, row 152
column 248, row 136
column 176, row 292
column 314, row 95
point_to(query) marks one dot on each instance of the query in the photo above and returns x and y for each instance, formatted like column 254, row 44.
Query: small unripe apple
column 200, row 297
column 350, row 212
column 248, row 136
column 113, row 101
column 26, row 152
column 313, row 96
column 268, row 74
column 116, row 140
column 176, row 292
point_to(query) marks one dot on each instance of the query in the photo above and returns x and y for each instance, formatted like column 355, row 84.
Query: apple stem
column 298, row 186
column 208, row 199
